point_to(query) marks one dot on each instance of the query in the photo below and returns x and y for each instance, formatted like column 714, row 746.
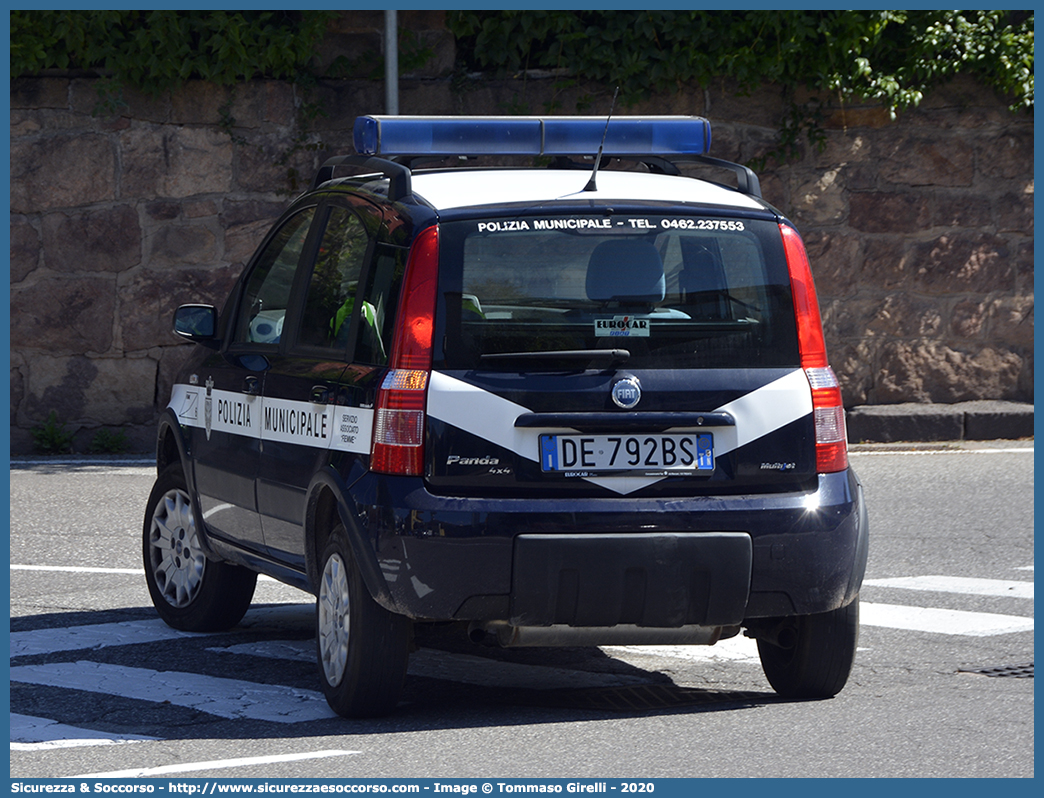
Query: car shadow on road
column 598, row 685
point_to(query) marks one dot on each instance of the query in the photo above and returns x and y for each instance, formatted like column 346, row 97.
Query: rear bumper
column 666, row 579
column 664, row 563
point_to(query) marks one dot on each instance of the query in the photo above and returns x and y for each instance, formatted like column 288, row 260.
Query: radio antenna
column 598, row 158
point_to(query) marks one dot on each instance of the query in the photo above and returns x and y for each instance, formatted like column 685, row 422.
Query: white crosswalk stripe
column 958, row 584
column 940, row 620
column 283, row 704
column 226, row 698
column 951, row 622
column 35, row 734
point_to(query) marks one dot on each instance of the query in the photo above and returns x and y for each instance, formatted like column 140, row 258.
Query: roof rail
column 399, row 182
column 746, row 181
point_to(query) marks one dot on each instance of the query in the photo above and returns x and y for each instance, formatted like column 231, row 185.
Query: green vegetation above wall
column 890, row 56
column 158, row 50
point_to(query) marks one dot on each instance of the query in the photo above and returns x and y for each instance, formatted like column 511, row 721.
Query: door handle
column 251, row 386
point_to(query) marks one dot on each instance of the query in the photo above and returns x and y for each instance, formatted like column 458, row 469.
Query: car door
column 305, row 425
column 226, row 450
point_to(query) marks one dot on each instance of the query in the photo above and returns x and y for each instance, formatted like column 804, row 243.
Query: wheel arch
column 855, row 582
column 172, row 444
column 329, row 502
column 172, row 447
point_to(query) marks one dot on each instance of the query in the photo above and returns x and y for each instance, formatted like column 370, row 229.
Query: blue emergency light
column 531, row 135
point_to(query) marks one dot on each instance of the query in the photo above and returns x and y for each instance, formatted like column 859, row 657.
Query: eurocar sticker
column 492, row 417
column 622, row 326
column 334, row 427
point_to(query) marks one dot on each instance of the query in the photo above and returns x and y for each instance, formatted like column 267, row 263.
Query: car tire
column 189, row 591
column 814, row 655
column 362, row 649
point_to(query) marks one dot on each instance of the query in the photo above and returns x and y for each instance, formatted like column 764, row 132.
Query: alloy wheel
column 177, row 559
column 334, row 619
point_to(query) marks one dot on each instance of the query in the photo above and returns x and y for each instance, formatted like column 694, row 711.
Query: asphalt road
column 100, row 686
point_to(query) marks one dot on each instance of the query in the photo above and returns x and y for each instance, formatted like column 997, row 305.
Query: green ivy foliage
column 889, row 56
column 158, row 50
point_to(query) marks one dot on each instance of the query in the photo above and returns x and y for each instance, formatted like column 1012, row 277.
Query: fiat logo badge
column 627, row 393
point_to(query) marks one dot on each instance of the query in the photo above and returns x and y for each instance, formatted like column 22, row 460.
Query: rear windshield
column 657, row 291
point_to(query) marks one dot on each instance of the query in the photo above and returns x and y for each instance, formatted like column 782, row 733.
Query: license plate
column 649, row 454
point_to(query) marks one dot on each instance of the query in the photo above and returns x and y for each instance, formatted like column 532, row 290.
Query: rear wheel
column 362, row 648
column 189, row 591
column 814, row 653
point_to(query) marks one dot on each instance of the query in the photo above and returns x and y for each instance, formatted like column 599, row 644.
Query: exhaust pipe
column 503, row 634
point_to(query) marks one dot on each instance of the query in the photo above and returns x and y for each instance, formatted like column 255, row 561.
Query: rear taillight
column 827, row 407
column 399, row 418
column 829, row 415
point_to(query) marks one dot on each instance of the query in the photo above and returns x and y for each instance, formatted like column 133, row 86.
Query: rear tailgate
column 611, row 354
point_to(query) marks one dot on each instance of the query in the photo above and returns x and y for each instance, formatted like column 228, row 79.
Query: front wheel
column 189, row 591
column 362, row 648
column 813, row 654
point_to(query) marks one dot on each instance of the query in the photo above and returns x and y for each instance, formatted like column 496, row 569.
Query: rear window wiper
column 607, row 356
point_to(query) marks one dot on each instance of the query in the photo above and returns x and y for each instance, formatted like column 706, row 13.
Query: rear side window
column 674, row 291
column 334, row 281
column 381, row 299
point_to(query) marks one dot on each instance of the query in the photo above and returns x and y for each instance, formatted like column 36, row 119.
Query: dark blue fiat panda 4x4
column 546, row 406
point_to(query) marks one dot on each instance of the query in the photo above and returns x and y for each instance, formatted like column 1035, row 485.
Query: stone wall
column 920, row 231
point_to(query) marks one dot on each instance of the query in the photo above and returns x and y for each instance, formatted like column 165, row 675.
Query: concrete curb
column 964, row 421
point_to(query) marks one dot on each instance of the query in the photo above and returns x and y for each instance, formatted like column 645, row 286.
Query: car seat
column 627, row 272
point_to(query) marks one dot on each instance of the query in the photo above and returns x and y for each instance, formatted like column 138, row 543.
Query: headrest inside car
column 626, row 272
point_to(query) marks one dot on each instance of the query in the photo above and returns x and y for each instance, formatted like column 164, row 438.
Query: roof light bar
column 531, row 135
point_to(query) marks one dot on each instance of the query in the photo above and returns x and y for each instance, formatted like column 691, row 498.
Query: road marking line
column 216, row 764
column 135, row 463
column 102, row 635
column 38, row 734
column 947, row 622
column 79, row 569
column 75, row 569
column 153, row 630
column 958, row 584
column 922, row 452
column 226, row 698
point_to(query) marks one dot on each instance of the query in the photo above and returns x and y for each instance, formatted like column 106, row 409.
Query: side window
column 267, row 292
column 330, row 301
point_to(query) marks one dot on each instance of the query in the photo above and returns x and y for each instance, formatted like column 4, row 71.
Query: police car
column 543, row 406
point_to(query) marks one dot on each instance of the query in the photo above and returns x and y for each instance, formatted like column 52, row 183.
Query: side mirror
column 196, row 322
